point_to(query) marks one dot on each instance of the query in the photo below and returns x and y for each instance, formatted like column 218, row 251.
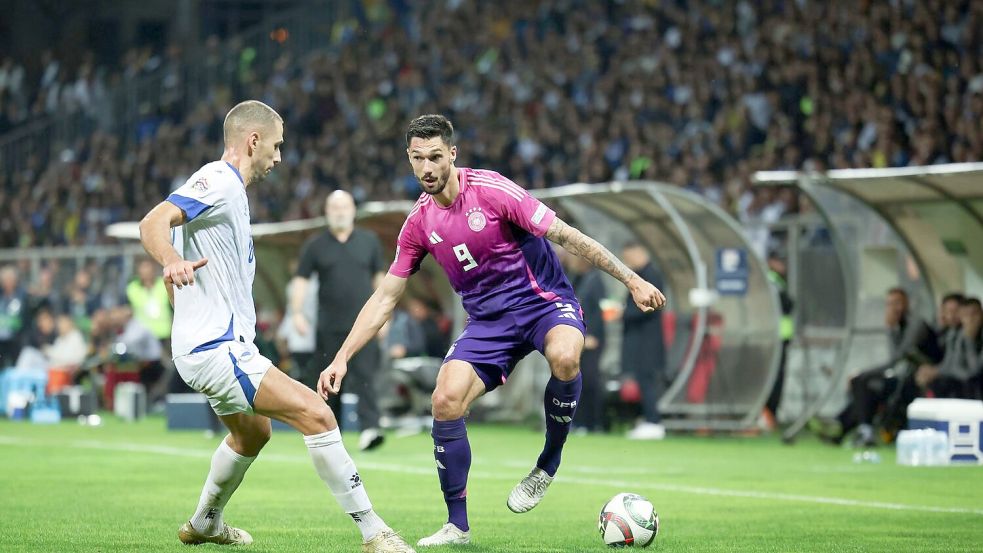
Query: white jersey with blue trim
column 219, row 306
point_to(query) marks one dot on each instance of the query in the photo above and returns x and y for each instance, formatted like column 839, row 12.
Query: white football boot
column 529, row 491
column 447, row 535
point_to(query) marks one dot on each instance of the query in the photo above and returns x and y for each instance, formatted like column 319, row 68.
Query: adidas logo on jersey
column 434, row 239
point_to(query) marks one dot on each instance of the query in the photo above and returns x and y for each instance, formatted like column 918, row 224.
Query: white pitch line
column 481, row 475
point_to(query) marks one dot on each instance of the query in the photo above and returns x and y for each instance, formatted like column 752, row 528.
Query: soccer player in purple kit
column 490, row 237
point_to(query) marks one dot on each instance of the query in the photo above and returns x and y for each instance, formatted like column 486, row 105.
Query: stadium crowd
column 57, row 87
column 694, row 93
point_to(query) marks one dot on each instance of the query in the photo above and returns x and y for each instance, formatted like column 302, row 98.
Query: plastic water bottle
column 924, row 447
column 905, row 444
column 938, row 448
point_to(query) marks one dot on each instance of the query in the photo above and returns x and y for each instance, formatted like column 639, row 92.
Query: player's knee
column 565, row 365
column 446, row 406
column 262, row 437
column 249, row 443
column 319, row 416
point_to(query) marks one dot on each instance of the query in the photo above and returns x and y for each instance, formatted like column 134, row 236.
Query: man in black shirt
column 349, row 265
column 643, row 351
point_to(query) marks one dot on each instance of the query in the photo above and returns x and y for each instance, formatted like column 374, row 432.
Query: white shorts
column 229, row 375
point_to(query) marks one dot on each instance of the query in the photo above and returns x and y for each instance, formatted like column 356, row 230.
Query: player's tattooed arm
column 647, row 297
column 580, row 244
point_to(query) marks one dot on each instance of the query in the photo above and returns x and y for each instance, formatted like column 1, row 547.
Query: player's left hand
column 647, row 297
column 331, row 377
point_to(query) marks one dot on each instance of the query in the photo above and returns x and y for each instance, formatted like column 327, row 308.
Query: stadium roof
column 959, row 183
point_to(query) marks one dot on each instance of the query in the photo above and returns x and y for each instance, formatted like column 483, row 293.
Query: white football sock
column 336, row 468
column 228, row 468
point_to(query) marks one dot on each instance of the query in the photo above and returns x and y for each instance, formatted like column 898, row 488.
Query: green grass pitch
column 127, row 487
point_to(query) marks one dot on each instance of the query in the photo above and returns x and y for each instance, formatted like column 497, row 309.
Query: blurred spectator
column 13, row 315
column 959, row 373
column 43, row 330
column 65, row 354
column 873, row 390
column 589, row 287
column 69, row 347
column 947, row 327
column 405, row 336
column 147, row 295
column 135, row 342
column 301, row 345
column 643, row 350
column 436, row 327
column 125, row 351
column 777, row 275
column 415, row 331
column 81, row 302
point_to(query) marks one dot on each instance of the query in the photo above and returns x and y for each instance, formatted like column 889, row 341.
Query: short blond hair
column 249, row 115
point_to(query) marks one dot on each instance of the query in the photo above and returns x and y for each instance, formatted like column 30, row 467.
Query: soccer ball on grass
column 628, row 520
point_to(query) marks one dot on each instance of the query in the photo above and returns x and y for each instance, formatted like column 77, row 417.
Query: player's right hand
column 182, row 273
column 647, row 297
column 300, row 324
column 331, row 377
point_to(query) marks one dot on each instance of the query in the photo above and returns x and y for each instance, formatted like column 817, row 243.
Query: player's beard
column 259, row 176
column 441, row 184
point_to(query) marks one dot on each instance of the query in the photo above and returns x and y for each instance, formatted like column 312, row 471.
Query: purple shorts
column 494, row 346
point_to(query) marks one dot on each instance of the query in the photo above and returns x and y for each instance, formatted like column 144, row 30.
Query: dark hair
column 972, row 302
column 898, row 290
column 953, row 296
column 429, row 126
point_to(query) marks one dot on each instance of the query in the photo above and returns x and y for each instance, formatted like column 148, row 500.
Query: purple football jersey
column 490, row 242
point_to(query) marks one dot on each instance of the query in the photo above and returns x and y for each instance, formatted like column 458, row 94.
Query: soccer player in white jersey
column 209, row 273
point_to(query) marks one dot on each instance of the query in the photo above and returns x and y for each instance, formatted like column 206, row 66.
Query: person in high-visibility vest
column 777, row 272
column 148, row 298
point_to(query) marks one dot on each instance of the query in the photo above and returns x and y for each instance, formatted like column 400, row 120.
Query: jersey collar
column 236, row 171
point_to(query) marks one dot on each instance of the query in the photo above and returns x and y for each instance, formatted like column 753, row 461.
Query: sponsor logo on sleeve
column 537, row 217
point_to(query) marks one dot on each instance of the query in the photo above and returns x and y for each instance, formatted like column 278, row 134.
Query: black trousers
column 776, row 390
column 590, row 410
column 869, row 391
column 363, row 373
column 303, row 364
column 650, row 376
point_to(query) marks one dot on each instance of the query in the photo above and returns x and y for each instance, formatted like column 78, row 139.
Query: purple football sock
column 453, row 453
column 561, row 402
